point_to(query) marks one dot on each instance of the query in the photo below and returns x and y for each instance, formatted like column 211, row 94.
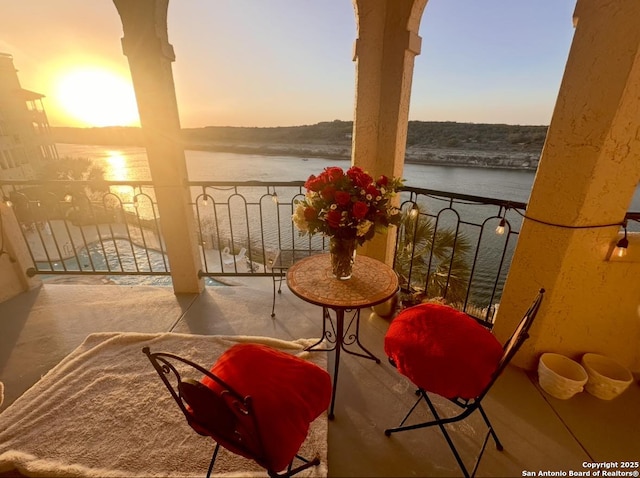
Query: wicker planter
column 560, row 376
column 607, row 378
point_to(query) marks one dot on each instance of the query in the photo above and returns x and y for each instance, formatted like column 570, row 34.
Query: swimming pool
column 129, row 263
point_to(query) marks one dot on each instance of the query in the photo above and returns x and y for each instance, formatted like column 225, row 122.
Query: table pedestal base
column 341, row 338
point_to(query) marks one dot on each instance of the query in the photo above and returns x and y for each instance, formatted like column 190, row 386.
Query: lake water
column 130, row 164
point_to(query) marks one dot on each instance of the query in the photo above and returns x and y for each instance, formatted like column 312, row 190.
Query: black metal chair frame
column 468, row 406
column 161, row 361
column 282, row 261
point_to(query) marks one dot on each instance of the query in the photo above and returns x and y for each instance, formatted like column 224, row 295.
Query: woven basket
column 560, row 376
column 607, row 378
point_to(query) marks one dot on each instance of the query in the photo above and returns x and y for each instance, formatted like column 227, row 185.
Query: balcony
column 81, row 238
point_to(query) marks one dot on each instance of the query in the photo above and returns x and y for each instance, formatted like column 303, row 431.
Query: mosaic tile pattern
column 371, row 283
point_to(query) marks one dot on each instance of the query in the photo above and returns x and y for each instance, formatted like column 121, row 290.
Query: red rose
column 382, row 181
column 342, row 198
column 371, row 189
column 360, row 210
column 333, row 173
column 310, row 214
column 359, row 177
column 314, row 183
column 333, row 218
column 328, row 192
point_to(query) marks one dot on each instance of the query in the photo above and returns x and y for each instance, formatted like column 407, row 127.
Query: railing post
column 146, row 45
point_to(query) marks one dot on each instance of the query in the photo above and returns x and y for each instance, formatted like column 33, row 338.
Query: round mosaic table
column 372, row 282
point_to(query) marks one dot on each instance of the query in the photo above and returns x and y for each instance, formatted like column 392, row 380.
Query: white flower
column 299, row 219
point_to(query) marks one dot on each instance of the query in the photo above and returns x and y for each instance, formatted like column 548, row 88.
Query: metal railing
column 241, row 226
column 456, row 248
column 448, row 246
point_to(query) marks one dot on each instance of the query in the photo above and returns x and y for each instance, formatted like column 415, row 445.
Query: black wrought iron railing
column 89, row 227
column 456, row 248
column 241, row 226
column 450, row 246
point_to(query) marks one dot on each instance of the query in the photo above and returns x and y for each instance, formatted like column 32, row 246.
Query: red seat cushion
column 288, row 394
column 442, row 350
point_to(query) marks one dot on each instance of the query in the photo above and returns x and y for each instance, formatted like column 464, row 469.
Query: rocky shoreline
column 459, row 157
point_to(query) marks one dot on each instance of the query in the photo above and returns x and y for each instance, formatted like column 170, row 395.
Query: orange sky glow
column 286, row 62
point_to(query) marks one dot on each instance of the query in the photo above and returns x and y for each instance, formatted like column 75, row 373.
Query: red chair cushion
column 442, row 350
column 288, row 394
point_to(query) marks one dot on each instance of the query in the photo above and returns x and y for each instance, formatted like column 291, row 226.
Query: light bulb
column 205, row 201
column 621, row 247
column 414, row 211
column 274, row 198
column 500, row 228
column 68, row 197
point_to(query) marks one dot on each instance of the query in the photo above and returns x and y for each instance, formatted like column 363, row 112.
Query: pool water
column 119, row 256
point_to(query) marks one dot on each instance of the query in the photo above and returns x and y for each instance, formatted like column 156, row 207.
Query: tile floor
column 539, row 433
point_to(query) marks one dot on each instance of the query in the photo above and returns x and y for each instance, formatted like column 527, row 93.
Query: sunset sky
column 289, row 62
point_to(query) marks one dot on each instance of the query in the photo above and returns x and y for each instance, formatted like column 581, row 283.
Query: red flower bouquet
column 347, row 205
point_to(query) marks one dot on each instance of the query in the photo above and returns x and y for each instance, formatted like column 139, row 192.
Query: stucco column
column 146, row 45
column 384, row 53
column 588, row 173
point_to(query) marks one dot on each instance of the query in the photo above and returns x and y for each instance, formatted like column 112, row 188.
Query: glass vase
column 343, row 253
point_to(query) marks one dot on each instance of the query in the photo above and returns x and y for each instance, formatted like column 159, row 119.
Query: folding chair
column 255, row 401
column 445, row 352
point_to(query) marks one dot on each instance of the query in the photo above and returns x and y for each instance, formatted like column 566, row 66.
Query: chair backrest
column 224, row 415
column 518, row 337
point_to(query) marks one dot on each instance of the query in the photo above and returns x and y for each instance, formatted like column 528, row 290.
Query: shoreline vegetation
column 430, row 143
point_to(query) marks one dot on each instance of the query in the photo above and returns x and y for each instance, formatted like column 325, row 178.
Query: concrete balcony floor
column 539, row 433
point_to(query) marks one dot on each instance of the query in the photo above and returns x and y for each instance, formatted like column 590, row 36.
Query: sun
column 97, row 97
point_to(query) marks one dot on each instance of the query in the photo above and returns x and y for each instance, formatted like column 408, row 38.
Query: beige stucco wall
column 588, row 173
column 15, row 259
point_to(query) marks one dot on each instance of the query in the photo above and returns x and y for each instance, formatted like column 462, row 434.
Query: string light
column 7, row 201
column 622, row 245
column 68, row 197
column 500, row 228
column 414, row 211
column 274, row 197
column 205, row 200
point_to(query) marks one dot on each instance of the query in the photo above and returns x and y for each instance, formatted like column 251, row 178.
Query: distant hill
column 484, row 145
column 420, row 133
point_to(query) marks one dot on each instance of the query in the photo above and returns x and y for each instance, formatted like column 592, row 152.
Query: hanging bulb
column 500, row 228
column 135, row 202
column 622, row 246
column 274, row 198
column 8, row 202
column 68, row 197
column 205, row 200
column 414, row 211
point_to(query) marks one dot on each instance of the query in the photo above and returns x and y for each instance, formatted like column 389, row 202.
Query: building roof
column 29, row 95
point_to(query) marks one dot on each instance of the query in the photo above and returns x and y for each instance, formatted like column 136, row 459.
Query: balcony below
column 540, row 433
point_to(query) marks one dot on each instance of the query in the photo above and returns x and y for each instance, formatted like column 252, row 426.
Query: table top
column 371, row 283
